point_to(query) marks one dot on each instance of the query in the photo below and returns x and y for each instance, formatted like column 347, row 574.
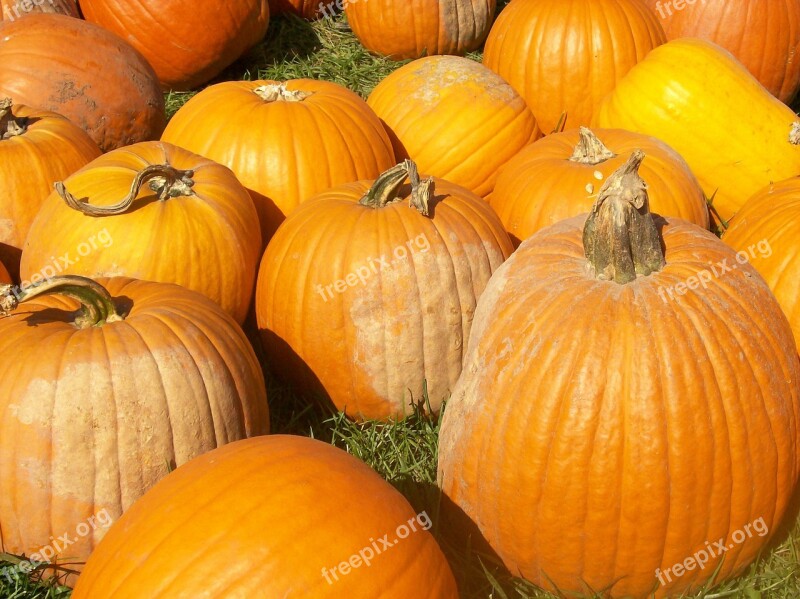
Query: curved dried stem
column 11, row 126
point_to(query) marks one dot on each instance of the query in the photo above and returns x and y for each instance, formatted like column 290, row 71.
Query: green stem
column 620, row 238
column 165, row 180
column 97, row 305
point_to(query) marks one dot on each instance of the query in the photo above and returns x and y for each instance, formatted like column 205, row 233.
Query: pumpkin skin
column 254, row 497
column 397, row 318
column 764, row 35
column 577, row 428
column 767, row 231
column 306, row 137
column 83, row 72
column 90, row 418
column 11, row 10
column 543, row 184
column 202, row 38
column 400, row 30
column 36, row 148
column 564, row 56
column 308, row 9
column 734, row 134
column 208, row 241
column 415, row 99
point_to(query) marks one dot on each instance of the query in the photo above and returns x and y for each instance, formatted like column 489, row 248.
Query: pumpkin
column 564, row 56
column 14, row 9
column 559, row 176
column 36, row 148
column 696, row 97
column 83, row 72
column 285, row 141
column 308, row 9
column 766, row 233
column 99, row 404
column 304, row 519
column 386, row 315
column 193, row 224
column 417, row 28
column 625, row 401
column 764, row 35
column 487, row 122
column 186, row 42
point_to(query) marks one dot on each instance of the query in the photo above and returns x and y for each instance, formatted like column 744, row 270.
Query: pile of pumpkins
column 528, row 237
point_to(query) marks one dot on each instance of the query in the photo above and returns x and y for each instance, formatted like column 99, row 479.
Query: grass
column 404, row 453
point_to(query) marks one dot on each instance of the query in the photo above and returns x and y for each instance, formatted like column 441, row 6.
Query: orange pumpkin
column 36, row 148
column 285, row 141
column 97, row 405
column 187, row 42
column 303, row 518
column 308, row 9
column 83, row 72
column 11, row 10
column 564, row 56
column 387, row 313
column 766, row 233
column 487, row 122
column 625, row 402
column 193, row 224
column 763, row 34
column 415, row 28
column 559, row 176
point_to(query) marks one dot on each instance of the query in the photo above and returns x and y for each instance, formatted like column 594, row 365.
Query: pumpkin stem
column 794, row 134
column 97, row 305
column 165, row 180
column 277, row 92
column 387, row 186
column 590, row 150
column 620, row 238
column 10, row 126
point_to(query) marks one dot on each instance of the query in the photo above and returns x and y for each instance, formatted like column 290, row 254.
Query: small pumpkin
column 766, row 234
column 416, row 28
column 285, row 141
column 304, row 519
column 79, row 70
column 487, row 122
column 386, row 315
column 36, row 148
column 11, row 10
column 764, row 35
column 696, row 97
column 186, row 42
column 559, row 176
column 623, row 401
column 564, row 56
column 100, row 403
column 151, row 211
column 307, row 9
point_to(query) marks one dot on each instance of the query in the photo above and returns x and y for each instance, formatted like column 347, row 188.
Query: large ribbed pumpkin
column 564, row 56
column 98, row 405
column 690, row 93
column 368, row 298
column 415, row 28
column 559, row 176
column 151, row 211
column 485, row 121
column 36, row 149
column 621, row 412
column 763, row 34
column 187, row 42
column 303, row 518
column 83, row 72
column 766, row 233
column 285, row 141
column 11, row 10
